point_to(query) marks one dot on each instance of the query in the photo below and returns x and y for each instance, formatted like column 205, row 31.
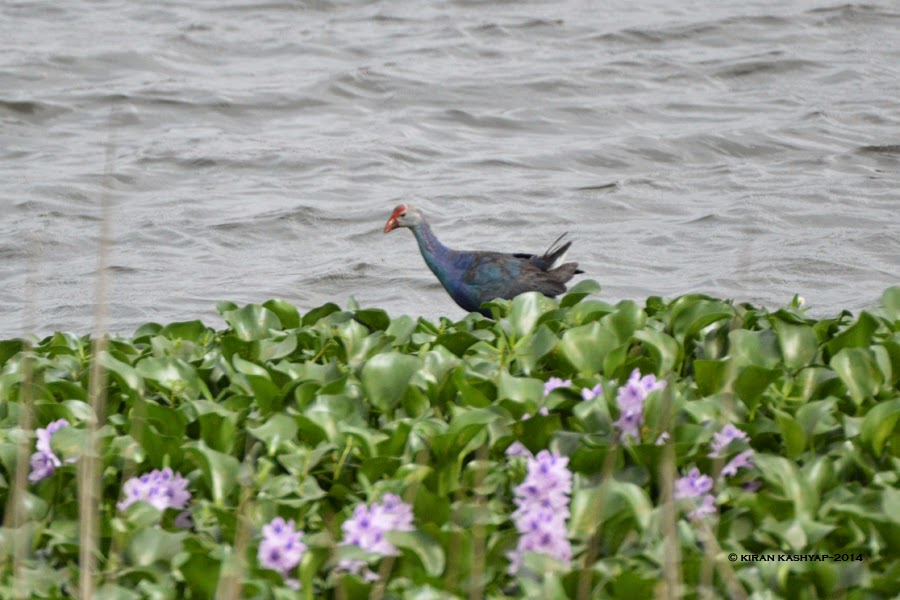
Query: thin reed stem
column 89, row 467
column 585, row 577
column 387, row 565
column 476, row 574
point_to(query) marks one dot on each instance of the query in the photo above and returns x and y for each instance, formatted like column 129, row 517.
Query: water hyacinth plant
column 44, row 461
column 161, row 489
column 555, row 383
column 303, row 413
column 722, row 439
column 281, row 549
column 542, row 502
column 697, row 486
column 368, row 528
column 591, row 393
column 630, row 400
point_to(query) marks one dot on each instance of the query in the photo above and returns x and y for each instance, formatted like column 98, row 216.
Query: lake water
column 744, row 149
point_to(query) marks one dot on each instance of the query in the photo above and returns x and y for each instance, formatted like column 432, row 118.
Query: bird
column 474, row 277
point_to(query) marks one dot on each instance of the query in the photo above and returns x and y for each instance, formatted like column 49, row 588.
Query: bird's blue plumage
column 473, row 278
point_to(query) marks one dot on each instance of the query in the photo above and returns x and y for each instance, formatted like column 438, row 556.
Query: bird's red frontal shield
column 392, row 222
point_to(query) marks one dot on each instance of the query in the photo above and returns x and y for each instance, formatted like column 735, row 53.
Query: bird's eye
column 403, row 214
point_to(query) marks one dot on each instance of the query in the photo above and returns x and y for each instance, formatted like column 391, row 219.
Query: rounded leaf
column 386, row 377
column 252, row 322
column 879, row 424
column 579, row 292
column 857, row 369
column 423, row 546
column 586, row 347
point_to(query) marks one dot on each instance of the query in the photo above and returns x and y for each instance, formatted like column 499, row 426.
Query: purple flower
column 693, row 485
column 368, row 526
column 42, row 465
column 393, row 513
column 184, row 520
column 723, row 438
column 630, row 400
column 543, row 508
column 518, row 449
column 543, row 411
column 358, row 567
column 742, row 460
column 281, row 548
column 45, row 461
column 629, row 423
column 706, row 508
column 752, row 486
column 591, row 393
column 162, row 489
column 555, row 382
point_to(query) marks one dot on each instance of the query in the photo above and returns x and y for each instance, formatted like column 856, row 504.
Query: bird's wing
column 496, row 275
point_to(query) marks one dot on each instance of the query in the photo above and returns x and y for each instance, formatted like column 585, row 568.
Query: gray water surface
column 744, row 149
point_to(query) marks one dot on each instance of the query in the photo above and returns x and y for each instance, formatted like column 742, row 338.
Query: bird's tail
column 556, row 254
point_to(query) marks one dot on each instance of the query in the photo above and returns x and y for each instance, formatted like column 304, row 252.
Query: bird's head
column 405, row 215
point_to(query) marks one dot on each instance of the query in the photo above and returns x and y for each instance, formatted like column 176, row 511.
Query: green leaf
column 456, row 342
column 592, row 507
column 666, row 351
column 279, row 428
column 798, row 344
column 253, row 322
column 519, row 389
column 315, row 315
column 587, row 346
column 200, row 570
column 578, row 292
column 69, row 442
column 286, row 312
column 857, row 335
column 878, row 425
column 401, row 329
column 534, row 347
column 127, row 377
column 690, row 314
column 785, row 477
column 525, row 311
column 588, row 311
column 109, row 591
column 890, row 300
column 791, row 433
column 423, row 546
column 627, row 318
column 192, row 331
column 174, row 375
column 386, row 377
column 752, row 381
column 374, row 319
column 220, row 471
column 890, row 503
column 273, row 348
column 857, row 369
column 8, row 349
column 222, row 307
column 151, row 545
column 758, row 348
column 817, row 417
column 710, row 375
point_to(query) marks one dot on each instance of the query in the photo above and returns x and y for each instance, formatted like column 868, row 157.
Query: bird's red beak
column 392, row 222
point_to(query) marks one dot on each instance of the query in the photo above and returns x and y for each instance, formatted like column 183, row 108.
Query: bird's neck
column 433, row 251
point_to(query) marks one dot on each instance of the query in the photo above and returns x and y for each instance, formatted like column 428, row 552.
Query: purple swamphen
column 473, row 278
